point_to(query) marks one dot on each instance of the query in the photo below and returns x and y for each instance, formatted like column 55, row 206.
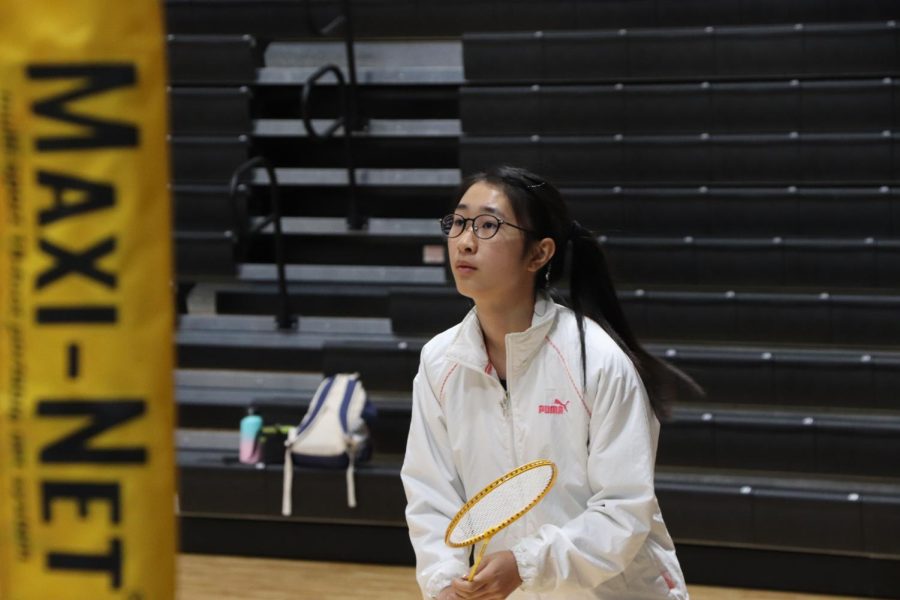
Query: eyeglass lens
column 485, row 226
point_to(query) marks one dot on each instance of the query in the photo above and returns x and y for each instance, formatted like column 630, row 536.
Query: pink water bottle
column 250, row 448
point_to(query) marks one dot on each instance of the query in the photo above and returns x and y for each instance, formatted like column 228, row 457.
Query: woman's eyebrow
column 487, row 209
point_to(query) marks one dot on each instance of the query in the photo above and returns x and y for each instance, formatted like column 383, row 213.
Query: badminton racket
column 499, row 504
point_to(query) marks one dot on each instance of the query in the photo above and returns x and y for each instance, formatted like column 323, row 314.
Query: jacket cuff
column 526, row 563
column 441, row 579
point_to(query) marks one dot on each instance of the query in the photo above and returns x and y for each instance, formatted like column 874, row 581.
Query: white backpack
column 333, row 433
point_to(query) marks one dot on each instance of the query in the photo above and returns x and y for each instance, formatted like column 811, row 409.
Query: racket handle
column 478, row 559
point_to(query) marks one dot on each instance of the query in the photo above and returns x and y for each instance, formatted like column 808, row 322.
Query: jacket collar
column 468, row 349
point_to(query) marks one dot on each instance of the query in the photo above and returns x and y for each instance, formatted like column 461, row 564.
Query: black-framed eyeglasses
column 483, row 226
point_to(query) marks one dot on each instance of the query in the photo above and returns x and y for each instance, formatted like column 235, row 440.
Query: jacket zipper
column 506, row 409
column 506, row 405
column 507, row 413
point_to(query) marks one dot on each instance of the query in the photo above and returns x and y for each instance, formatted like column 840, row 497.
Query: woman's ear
column 541, row 253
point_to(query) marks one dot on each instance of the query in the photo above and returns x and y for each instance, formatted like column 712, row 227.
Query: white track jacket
column 598, row 533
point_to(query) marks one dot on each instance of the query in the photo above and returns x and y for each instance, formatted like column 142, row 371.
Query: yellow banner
column 87, row 480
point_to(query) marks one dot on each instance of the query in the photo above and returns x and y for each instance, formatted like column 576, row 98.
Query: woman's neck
column 500, row 318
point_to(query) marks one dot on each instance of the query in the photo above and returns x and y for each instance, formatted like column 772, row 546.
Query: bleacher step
column 771, row 512
column 375, row 128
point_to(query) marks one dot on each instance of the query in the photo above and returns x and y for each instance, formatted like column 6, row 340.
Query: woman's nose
column 467, row 241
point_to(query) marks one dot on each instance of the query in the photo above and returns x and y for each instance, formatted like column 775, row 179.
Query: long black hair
column 539, row 206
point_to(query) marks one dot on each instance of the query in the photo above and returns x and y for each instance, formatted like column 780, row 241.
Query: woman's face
column 494, row 267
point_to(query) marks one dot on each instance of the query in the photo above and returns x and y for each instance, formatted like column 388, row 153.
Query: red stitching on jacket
column 668, row 579
column 569, row 374
column 444, row 382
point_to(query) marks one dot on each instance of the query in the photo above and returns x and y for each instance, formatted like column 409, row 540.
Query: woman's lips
column 465, row 269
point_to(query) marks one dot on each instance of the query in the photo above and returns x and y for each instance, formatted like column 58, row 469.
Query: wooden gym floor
column 236, row 578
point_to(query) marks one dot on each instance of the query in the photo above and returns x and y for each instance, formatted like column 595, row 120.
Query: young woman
column 523, row 378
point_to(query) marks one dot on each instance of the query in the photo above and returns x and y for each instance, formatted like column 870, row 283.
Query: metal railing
column 243, row 231
column 349, row 119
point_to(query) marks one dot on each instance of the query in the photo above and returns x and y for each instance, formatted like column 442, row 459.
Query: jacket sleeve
column 434, row 492
column 600, row 543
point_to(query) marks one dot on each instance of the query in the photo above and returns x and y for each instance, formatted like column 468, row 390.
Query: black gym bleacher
column 739, row 161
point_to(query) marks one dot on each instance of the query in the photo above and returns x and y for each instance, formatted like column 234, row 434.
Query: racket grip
column 478, row 559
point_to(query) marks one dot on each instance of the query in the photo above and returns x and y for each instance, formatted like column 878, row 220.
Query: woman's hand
column 447, row 594
column 497, row 578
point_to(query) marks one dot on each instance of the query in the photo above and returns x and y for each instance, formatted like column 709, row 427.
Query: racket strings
column 502, row 503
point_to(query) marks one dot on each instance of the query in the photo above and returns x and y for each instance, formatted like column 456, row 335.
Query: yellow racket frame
column 490, row 532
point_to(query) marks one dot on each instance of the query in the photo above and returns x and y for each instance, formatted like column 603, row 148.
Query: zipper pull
column 504, row 404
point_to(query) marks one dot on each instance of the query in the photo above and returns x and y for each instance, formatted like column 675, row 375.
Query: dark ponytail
column 592, row 295
column 539, row 206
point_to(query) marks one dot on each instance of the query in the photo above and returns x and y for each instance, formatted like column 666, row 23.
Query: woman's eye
column 489, row 226
column 459, row 222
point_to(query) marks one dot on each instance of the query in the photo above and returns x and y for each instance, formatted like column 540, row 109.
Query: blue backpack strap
column 316, row 405
column 345, row 404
